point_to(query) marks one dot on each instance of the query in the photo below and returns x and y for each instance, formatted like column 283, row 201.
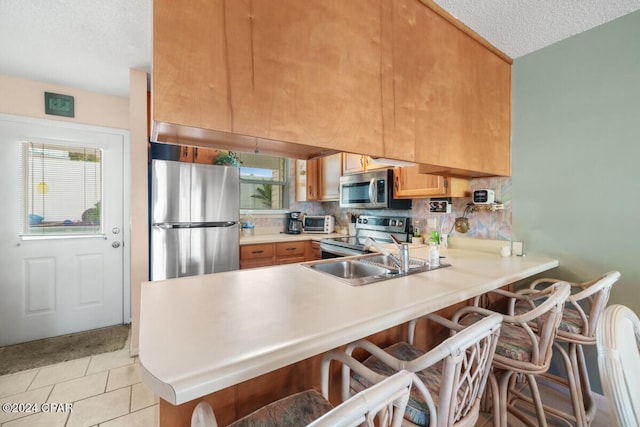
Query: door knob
column 115, row 230
column 115, row 244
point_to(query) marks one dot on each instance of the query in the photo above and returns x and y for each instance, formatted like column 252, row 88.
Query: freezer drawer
column 180, row 252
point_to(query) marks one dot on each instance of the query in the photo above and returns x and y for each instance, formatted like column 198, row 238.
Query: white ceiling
column 519, row 27
column 91, row 44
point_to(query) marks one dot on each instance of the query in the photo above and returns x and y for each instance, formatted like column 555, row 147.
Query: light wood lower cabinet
column 290, row 252
column 312, row 250
column 265, row 254
column 259, row 255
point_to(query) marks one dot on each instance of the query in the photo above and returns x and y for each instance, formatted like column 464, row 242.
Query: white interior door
column 62, row 229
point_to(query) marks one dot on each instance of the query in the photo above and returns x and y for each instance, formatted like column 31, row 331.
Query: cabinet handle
column 257, row 252
column 361, row 161
column 397, row 183
column 291, row 249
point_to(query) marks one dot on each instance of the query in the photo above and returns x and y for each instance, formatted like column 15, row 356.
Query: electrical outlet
column 517, row 248
column 440, row 206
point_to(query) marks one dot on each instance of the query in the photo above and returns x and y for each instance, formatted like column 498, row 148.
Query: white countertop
column 284, row 237
column 201, row 334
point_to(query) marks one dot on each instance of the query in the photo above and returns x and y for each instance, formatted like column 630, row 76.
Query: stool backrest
column 385, row 401
column 542, row 320
column 596, row 294
column 382, row 404
column 618, row 342
column 466, row 369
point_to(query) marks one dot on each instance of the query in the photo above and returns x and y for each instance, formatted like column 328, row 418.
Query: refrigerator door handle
column 173, row 225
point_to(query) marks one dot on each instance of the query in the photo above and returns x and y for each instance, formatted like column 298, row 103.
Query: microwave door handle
column 372, row 191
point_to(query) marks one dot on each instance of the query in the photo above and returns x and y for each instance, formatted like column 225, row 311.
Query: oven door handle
column 372, row 191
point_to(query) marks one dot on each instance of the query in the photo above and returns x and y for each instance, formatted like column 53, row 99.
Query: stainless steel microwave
column 370, row 190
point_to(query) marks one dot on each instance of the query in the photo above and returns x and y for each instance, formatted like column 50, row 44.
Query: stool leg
column 574, row 382
column 534, row 399
column 589, row 404
column 504, row 396
column 535, row 394
column 495, row 398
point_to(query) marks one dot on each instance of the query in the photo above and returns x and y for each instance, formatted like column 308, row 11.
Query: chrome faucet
column 402, row 260
column 403, row 253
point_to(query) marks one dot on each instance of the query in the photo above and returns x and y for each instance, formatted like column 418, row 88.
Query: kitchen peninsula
column 214, row 337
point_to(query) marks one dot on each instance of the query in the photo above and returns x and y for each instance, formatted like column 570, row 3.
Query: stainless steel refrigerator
column 195, row 219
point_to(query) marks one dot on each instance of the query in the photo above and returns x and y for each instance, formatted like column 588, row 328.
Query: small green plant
column 92, row 215
column 227, row 158
column 264, row 193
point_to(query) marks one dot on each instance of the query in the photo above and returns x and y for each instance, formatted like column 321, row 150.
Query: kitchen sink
column 344, row 269
column 387, row 262
column 366, row 269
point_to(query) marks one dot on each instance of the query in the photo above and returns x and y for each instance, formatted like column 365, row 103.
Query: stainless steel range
column 378, row 228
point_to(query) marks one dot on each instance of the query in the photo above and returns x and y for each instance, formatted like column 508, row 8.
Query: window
column 264, row 182
column 62, row 189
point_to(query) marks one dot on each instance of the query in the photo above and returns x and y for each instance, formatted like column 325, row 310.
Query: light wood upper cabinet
column 411, row 184
column 300, row 72
column 322, row 179
column 329, row 172
column 354, row 163
column 451, row 96
column 386, row 78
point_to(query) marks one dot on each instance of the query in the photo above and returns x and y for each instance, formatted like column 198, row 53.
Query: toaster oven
column 319, row 223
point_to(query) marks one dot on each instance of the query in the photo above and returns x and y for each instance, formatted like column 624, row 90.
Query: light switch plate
column 439, row 206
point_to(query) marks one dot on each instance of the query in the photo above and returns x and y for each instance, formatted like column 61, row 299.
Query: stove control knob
column 393, row 222
column 364, row 221
column 400, row 223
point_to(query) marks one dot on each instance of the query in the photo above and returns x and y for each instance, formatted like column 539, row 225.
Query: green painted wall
column 576, row 155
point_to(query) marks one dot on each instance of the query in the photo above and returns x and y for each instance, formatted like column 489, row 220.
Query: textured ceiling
column 86, row 44
column 91, row 44
column 519, row 27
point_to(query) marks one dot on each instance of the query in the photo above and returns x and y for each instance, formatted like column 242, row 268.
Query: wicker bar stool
column 582, row 313
column 618, row 341
column 383, row 402
column 522, row 350
column 453, row 374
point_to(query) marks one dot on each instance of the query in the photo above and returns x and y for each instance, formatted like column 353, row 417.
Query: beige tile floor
column 103, row 390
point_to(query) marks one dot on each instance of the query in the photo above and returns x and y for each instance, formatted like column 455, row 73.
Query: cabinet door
column 312, row 250
column 451, row 96
column 290, row 252
column 410, row 183
column 313, row 192
column 258, row 255
column 352, row 163
column 186, row 153
column 206, row 156
column 371, row 164
column 190, row 71
column 329, row 172
column 303, row 71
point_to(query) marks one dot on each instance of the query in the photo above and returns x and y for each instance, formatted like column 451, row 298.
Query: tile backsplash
column 482, row 225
